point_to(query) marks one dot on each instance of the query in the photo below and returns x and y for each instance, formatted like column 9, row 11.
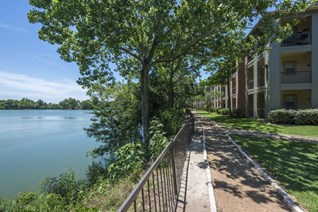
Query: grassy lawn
column 261, row 126
column 293, row 164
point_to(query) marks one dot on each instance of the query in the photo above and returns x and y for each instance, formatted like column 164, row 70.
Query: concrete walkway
column 195, row 193
column 236, row 185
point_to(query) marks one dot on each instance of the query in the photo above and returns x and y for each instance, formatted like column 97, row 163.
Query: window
column 290, row 67
column 290, row 101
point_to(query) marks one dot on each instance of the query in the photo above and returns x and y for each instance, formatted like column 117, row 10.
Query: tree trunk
column 171, row 91
column 144, row 105
column 229, row 97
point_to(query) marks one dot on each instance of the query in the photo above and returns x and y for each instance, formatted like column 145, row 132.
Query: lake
column 35, row 144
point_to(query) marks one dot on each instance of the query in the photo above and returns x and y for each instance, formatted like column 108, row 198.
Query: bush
column 32, row 201
column 223, row 111
column 173, row 119
column 307, row 117
column 282, row 116
column 96, row 170
column 65, row 185
column 158, row 140
column 106, row 196
column 207, row 107
column 300, row 117
column 129, row 161
column 212, row 109
column 238, row 113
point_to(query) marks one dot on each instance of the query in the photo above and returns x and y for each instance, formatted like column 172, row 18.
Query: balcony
column 250, row 84
column 233, row 90
column 261, row 81
column 296, row 77
column 298, row 39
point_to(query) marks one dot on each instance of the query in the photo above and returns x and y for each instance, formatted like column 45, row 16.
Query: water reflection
column 35, row 144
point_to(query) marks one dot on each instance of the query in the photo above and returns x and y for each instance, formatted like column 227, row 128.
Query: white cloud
column 17, row 86
column 42, row 59
column 12, row 28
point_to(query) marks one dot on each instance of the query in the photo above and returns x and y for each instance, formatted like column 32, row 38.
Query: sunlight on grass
column 293, row 164
column 260, row 125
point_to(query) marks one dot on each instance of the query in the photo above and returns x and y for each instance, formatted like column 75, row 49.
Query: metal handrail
column 296, row 77
column 167, row 196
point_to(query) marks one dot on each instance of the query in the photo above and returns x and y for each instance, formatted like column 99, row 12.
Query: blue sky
column 30, row 67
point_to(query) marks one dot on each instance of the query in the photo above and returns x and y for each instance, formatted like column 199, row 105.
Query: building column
column 266, row 78
column 273, row 98
column 245, row 88
column 314, row 61
column 255, row 86
column 226, row 98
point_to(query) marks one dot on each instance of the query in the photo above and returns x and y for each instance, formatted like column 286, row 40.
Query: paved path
column 195, row 193
column 237, row 186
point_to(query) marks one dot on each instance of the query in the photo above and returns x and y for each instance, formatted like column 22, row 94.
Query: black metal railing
column 250, row 84
column 261, row 81
column 158, row 189
column 296, row 77
column 298, row 39
column 234, row 90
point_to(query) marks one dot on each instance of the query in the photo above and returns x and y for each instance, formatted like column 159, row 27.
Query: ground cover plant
column 293, row 164
column 261, row 125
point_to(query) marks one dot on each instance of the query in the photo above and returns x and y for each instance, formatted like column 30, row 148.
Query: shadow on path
column 237, row 186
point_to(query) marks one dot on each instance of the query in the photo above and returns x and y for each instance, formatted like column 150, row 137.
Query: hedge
column 298, row 117
column 223, row 111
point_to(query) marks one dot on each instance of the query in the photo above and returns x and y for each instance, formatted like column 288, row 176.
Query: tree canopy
column 151, row 43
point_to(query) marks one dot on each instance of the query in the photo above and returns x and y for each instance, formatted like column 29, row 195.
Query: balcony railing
column 250, row 84
column 298, row 39
column 233, row 90
column 261, row 81
column 296, row 77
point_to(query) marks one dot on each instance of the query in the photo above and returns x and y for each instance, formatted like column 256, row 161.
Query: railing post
column 174, row 175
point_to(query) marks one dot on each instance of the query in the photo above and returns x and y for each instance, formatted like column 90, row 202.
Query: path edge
column 208, row 174
column 287, row 199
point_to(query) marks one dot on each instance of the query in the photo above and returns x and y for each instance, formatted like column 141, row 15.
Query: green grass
column 261, row 126
column 293, row 164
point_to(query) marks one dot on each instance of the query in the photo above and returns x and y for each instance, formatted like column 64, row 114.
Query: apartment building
column 286, row 76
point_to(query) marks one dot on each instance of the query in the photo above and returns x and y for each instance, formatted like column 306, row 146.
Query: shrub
column 282, row 116
column 300, row 117
column 96, row 170
column 213, row 109
column 173, row 120
column 129, row 161
column 207, row 107
column 309, row 117
column 238, row 113
column 106, row 196
column 158, row 140
column 65, row 185
column 223, row 111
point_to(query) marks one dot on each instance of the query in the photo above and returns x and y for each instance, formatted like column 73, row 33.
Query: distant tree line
column 25, row 103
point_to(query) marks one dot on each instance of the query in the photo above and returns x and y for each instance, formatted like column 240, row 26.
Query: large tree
column 98, row 33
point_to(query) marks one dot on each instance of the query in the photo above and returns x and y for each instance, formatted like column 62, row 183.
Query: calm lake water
column 35, row 144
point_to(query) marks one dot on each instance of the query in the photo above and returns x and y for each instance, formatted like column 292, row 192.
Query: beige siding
column 303, row 61
column 303, row 98
column 314, row 76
